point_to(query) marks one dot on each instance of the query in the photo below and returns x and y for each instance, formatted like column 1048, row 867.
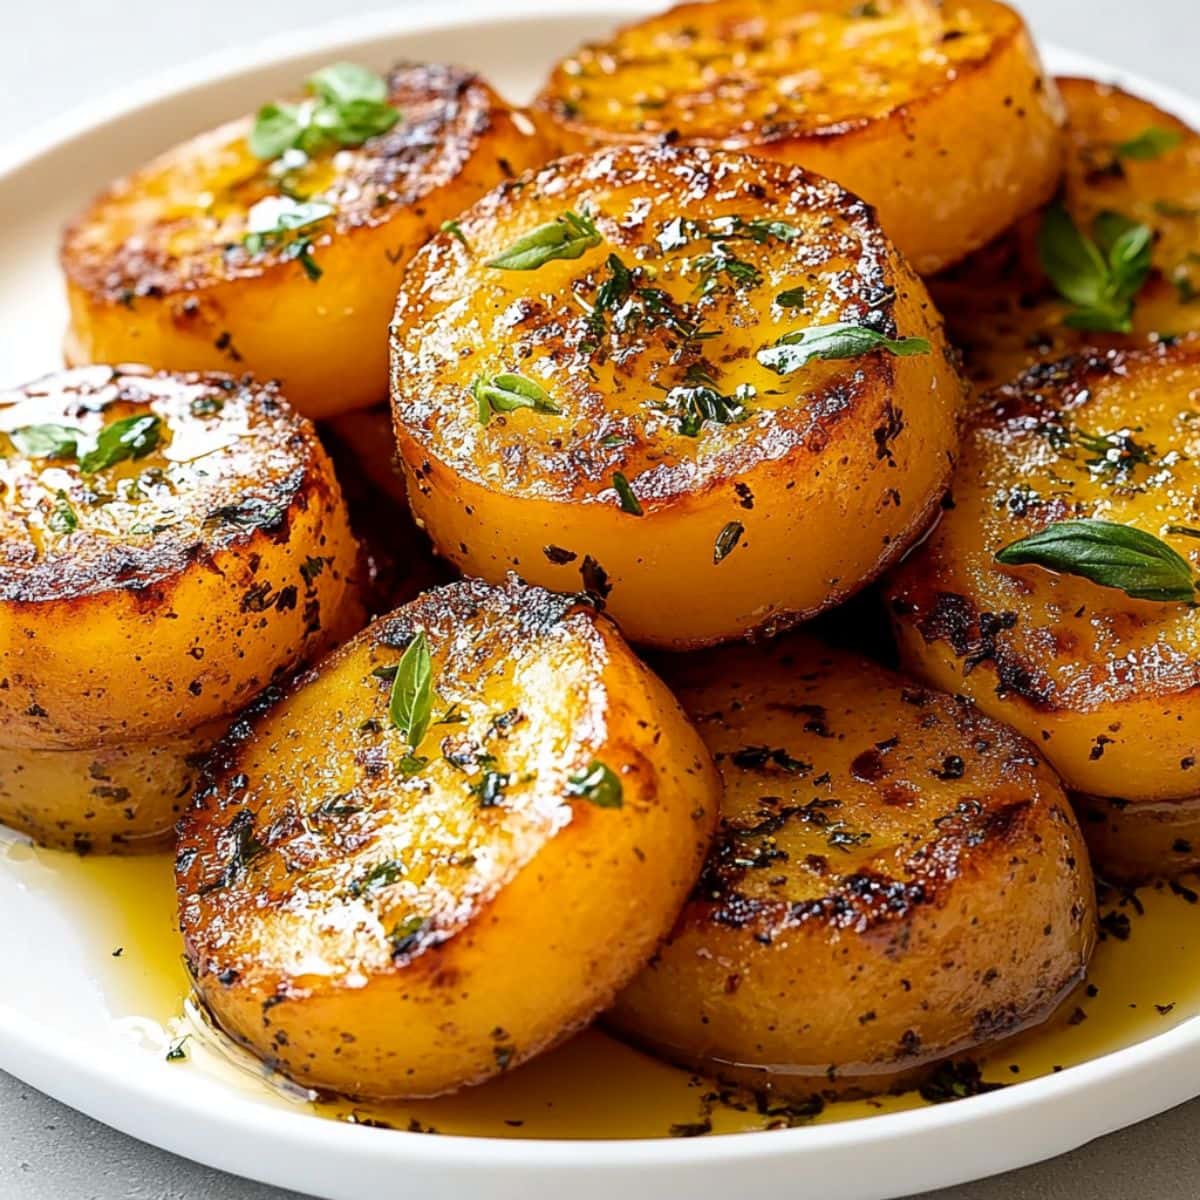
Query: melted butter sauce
column 1144, row 979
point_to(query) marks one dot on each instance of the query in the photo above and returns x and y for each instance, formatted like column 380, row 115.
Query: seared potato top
column 169, row 545
column 603, row 330
column 402, row 843
column 119, row 477
column 1126, row 157
column 446, row 847
column 188, row 219
column 749, row 72
column 850, row 797
column 896, row 878
column 1114, row 438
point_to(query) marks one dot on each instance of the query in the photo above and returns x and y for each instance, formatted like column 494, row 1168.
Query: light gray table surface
column 55, row 54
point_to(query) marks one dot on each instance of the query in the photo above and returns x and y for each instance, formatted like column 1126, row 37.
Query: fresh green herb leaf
column 727, row 541
column 382, row 874
column 632, row 304
column 276, row 129
column 711, row 267
column 406, row 935
column 1152, row 142
column 62, row 518
column 612, row 293
column 177, row 1050
column 47, row 441
column 629, row 502
column 410, row 706
column 792, row 298
column 1099, row 275
column 506, row 393
column 489, row 788
column 206, row 406
column 1183, row 531
column 349, row 105
column 599, row 785
column 702, row 402
column 454, row 229
column 843, row 340
column 568, row 236
column 335, row 806
column 1115, row 454
column 451, row 717
column 130, row 438
column 412, row 764
column 758, row 229
column 1109, row 554
column 274, row 218
column 348, row 83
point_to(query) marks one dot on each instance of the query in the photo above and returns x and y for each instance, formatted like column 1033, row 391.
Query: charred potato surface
column 212, row 258
column 119, row 798
column 938, row 114
column 896, row 878
column 388, row 919
column 1106, row 685
column 616, row 407
column 1125, row 156
column 169, row 544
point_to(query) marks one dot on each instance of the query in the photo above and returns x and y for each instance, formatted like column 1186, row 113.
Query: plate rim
column 67, row 1067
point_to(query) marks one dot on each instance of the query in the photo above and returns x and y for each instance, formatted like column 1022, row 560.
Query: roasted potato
column 705, row 386
column 896, row 878
column 169, row 545
column 1125, row 156
column 119, row 798
column 385, row 910
column 286, row 265
column 939, row 114
column 1107, row 685
column 1134, row 843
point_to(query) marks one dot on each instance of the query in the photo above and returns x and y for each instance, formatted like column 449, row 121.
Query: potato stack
column 682, row 387
column 171, row 544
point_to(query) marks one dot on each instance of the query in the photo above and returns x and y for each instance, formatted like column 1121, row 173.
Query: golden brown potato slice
column 939, row 114
column 389, row 911
column 121, row 798
column 704, row 386
column 169, row 545
column 1131, row 843
column 1125, row 156
column 282, row 262
column 1107, row 685
column 896, row 878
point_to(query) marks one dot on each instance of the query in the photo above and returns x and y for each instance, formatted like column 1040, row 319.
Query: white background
column 55, row 54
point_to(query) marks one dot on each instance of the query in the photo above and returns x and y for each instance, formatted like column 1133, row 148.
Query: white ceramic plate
column 57, row 1026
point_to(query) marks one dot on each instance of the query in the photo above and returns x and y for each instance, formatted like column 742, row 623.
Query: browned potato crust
column 1131, row 843
column 939, row 114
column 795, row 492
column 1002, row 310
column 159, row 271
column 1107, row 686
column 384, row 919
column 896, row 878
column 164, row 590
column 121, row 798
